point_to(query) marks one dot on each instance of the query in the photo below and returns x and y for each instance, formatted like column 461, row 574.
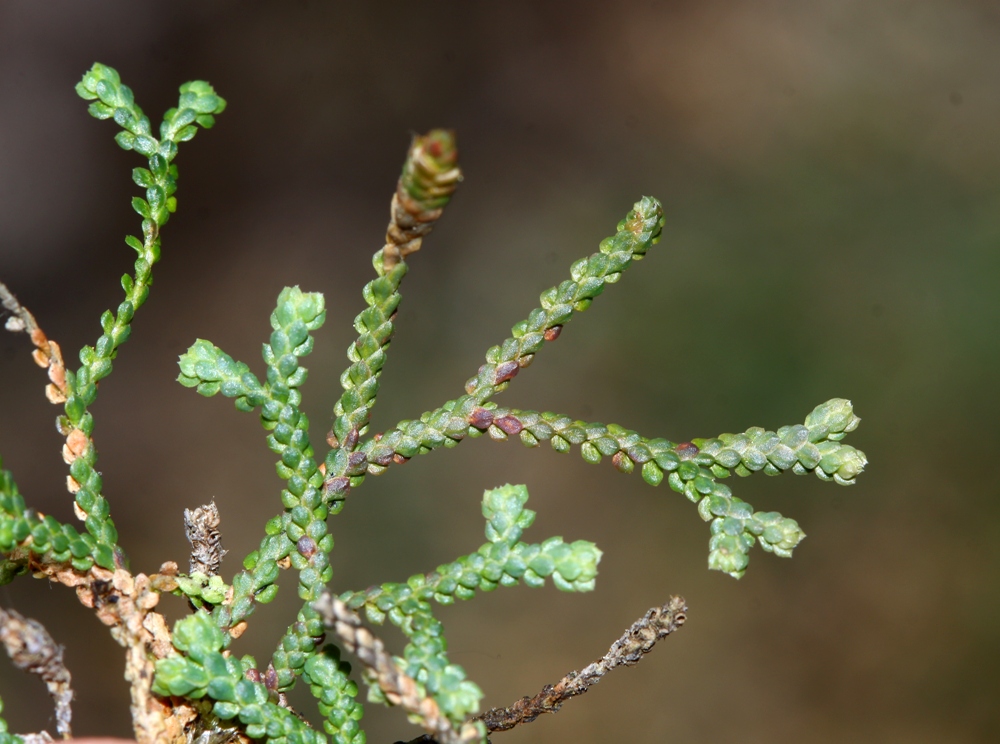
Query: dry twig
column 48, row 355
column 626, row 651
column 32, row 650
column 202, row 528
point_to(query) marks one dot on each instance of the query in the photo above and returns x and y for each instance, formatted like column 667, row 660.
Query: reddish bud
column 399, row 459
column 271, row 678
column 337, row 488
column 253, row 675
column 509, row 425
column 505, row 371
column 621, row 462
column 551, row 334
column 481, row 418
column 686, row 450
column 306, row 546
column 351, row 439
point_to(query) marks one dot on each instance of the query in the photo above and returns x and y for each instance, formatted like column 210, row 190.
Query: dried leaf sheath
column 201, row 526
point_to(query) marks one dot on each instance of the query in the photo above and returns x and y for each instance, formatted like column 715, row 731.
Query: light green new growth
column 200, row 666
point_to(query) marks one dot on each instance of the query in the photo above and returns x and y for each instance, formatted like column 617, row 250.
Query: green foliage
column 202, row 669
column 202, row 666
column 5, row 737
column 24, row 533
column 112, row 100
column 503, row 561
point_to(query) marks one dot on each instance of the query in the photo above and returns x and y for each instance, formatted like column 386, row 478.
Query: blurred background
column 831, row 177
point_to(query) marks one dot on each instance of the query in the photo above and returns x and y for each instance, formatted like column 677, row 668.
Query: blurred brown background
column 831, row 177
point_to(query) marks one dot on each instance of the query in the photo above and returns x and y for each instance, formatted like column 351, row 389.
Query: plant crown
column 197, row 667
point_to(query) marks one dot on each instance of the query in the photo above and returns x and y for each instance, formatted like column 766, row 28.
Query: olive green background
column 831, row 177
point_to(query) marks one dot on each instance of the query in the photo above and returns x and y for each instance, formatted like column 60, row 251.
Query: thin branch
column 201, row 526
column 626, row 651
column 398, row 687
column 47, row 354
column 32, row 650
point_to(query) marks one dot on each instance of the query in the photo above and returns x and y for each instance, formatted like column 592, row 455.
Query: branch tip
column 430, row 177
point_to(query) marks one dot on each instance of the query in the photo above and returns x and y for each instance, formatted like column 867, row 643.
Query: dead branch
column 32, row 650
column 626, row 651
column 47, row 354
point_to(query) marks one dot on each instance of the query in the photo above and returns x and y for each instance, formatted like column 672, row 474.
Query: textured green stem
column 299, row 533
column 691, row 468
column 430, row 176
column 111, row 99
column 636, row 233
column 203, row 670
column 24, row 532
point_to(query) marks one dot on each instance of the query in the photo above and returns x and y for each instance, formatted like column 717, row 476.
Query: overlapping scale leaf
column 813, row 447
column 636, row 233
column 429, row 178
column 691, row 468
column 23, row 531
column 202, row 589
column 201, row 670
column 329, row 682
column 367, row 355
column 299, row 534
column 445, row 426
column 210, row 370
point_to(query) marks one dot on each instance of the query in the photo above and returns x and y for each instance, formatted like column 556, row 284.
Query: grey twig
column 398, row 687
column 202, row 528
column 626, row 651
column 32, row 649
